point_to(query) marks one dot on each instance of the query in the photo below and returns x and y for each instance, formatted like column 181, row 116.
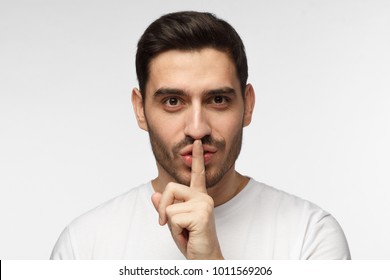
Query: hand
column 189, row 212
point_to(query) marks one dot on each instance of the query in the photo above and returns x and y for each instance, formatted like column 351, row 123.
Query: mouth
column 208, row 153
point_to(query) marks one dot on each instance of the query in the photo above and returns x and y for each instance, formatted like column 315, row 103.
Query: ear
column 249, row 104
column 138, row 106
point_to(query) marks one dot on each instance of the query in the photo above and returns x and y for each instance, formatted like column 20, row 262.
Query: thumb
column 156, row 200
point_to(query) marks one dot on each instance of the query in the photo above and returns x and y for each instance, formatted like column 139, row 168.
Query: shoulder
column 104, row 222
column 321, row 235
column 272, row 206
column 115, row 210
column 117, row 205
column 275, row 200
column 285, row 207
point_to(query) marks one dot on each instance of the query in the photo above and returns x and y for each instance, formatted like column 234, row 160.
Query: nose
column 197, row 125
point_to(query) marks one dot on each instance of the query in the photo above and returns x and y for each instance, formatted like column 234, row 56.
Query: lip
column 208, row 152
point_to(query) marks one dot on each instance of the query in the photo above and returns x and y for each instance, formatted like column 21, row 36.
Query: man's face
column 194, row 95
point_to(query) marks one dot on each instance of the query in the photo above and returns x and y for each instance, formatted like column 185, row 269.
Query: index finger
column 198, row 171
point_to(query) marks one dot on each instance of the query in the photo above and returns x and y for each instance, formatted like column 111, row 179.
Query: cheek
column 167, row 129
column 227, row 128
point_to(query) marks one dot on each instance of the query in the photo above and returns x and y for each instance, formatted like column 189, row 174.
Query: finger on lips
column 176, row 192
column 198, row 178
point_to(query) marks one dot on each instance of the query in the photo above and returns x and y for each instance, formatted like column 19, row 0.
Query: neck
column 227, row 188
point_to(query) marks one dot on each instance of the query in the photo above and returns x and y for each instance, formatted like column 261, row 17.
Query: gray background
column 69, row 140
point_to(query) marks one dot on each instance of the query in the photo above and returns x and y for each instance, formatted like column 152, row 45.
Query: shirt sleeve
column 63, row 249
column 326, row 241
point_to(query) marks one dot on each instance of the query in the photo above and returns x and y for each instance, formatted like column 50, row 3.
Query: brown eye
column 219, row 99
column 172, row 101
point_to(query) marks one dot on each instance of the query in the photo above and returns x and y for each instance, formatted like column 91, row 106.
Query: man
column 194, row 100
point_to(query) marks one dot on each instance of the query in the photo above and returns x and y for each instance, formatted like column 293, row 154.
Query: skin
column 194, row 112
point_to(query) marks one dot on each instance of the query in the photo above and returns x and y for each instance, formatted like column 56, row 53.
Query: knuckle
column 209, row 201
column 204, row 216
column 208, row 209
column 169, row 211
column 205, row 209
column 173, row 220
column 170, row 186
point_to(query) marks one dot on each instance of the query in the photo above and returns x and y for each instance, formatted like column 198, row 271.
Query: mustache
column 206, row 140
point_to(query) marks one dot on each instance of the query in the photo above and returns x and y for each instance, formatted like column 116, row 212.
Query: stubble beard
column 170, row 161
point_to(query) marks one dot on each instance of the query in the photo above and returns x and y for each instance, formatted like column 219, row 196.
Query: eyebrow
column 223, row 90
column 168, row 91
column 180, row 92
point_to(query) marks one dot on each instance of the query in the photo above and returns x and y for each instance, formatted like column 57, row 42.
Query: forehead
column 192, row 71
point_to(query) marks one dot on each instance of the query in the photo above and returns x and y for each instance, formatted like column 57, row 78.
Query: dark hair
column 189, row 31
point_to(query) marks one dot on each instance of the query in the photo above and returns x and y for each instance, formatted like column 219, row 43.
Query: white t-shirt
column 259, row 223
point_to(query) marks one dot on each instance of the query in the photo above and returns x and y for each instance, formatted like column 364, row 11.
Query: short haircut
column 189, row 31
